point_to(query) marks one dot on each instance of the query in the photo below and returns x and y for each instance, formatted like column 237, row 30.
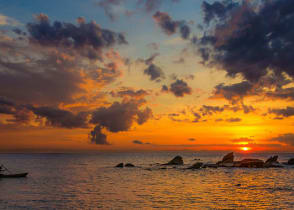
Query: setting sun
column 245, row 148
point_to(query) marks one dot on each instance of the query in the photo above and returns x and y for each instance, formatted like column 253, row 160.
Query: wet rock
column 250, row 163
column 291, row 161
column 178, row 160
column 120, row 165
column 129, row 165
column 272, row 162
column 196, row 165
column 227, row 161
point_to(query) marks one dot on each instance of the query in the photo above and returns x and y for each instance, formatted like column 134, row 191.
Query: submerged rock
column 129, row 165
column 196, row 165
column 291, row 161
column 178, row 160
column 120, row 165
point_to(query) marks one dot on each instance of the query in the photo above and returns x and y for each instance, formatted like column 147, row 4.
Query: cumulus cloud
column 249, row 37
column 87, row 39
column 61, row 118
column 285, row 138
column 97, row 137
column 235, row 92
column 121, row 116
column 154, row 72
column 180, row 88
column 170, row 26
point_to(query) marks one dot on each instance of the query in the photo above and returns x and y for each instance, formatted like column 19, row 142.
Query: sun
column 245, row 148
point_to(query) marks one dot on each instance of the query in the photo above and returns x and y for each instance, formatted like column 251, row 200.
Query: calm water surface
column 89, row 181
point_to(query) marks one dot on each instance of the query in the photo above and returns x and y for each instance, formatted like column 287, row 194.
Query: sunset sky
column 146, row 75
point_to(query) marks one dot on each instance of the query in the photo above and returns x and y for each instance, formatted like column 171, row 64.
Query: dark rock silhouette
column 178, row 160
column 196, row 166
column 210, row 165
column 129, row 165
column 227, row 161
column 272, row 162
column 249, row 163
column 120, row 165
column 291, row 161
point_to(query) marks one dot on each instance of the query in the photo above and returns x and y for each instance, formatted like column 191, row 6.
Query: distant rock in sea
column 178, row 160
column 196, row 166
column 273, row 162
column 120, row 165
column 227, row 161
column 129, row 165
column 291, row 161
column 249, row 163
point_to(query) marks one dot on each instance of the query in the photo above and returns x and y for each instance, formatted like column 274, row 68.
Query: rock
column 178, row 160
column 238, row 185
column 120, row 165
column 250, row 163
column 272, row 162
column 129, row 165
column 291, row 161
column 228, row 158
column 196, row 165
column 227, row 161
column 272, row 159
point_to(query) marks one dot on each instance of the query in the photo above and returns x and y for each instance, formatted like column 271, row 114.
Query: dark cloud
column 170, row 26
column 120, row 116
column 61, row 118
column 234, row 119
column 164, row 88
column 287, row 112
column 137, row 142
column 249, row 37
column 180, row 88
column 235, row 92
column 281, row 93
column 209, row 110
column 129, row 92
column 87, row 39
column 151, row 5
column 97, row 137
column 191, row 139
column 154, row 72
column 285, row 138
column 216, row 10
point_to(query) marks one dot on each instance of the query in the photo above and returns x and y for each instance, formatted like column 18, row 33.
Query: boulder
column 227, row 161
column 178, row 160
column 250, row 163
column 120, row 165
column 291, row 161
column 196, row 165
column 228, row 158
column 272, row 162
column 129, row 165
column 272, row 159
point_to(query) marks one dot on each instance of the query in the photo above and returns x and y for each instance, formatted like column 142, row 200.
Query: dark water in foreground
column 89, row 181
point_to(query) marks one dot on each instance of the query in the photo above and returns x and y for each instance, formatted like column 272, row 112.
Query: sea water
column 90, row 181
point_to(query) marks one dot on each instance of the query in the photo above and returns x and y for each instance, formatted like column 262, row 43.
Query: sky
column 116, row 75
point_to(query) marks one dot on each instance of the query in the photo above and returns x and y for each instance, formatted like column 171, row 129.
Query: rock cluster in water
column 227, row 161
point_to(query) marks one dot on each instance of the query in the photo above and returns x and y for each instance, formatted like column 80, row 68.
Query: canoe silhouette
column 13, row 175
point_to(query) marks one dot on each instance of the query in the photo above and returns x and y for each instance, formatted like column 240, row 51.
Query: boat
column 13, row 175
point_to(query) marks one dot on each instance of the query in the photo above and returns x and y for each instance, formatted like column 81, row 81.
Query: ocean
column 90, row 181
